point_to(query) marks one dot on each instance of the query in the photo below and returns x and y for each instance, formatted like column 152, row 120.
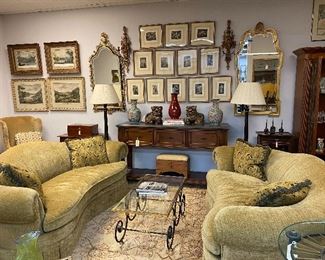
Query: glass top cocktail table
column 303, row 240
column 169, row 204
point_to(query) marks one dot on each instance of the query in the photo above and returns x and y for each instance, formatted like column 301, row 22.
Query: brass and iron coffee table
column 303, row 240
column 170, row 205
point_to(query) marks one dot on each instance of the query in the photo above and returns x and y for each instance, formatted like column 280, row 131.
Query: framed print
column 198, row 89
column 209, row 60
column 25, row 59
column 135, row 90
column 62, row 57
column 176, row 35
column 29, row 95
column 177, row 85
column 67, row 94
column 202, row 33
column 318, row 23
column 155, row 90
column 187, row 62
column 164, row 62
column 221, row 88
column 142, row 63
column 150, row 36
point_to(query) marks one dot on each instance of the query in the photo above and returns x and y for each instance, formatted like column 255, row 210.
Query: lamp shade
column 104, row 94
column 248, row 93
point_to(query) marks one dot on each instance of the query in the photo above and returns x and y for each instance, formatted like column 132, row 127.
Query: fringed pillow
column 26, row 137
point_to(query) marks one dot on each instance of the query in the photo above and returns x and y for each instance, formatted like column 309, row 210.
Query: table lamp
column 104, row 94
column 246, row 94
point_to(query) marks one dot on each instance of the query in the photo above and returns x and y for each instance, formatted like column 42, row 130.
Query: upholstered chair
column 10, row 126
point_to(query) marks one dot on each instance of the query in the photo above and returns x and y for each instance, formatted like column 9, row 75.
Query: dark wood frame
column 12, row 59
column 48, row 56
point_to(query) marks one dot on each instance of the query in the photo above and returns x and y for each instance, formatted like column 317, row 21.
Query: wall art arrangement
column 318, row 24
column 178, row 57
column 54, row 93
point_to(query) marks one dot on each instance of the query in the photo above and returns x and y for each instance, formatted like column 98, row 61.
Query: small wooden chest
column 84, row 130
column 172, row 163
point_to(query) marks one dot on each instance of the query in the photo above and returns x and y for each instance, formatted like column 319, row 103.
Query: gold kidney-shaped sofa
column 232, row 230
column 72, row 196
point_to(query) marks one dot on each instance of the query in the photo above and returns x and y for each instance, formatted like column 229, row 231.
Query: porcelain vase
column 27, row 246
column 215, row 114
column 134, row 113
column 174, row 110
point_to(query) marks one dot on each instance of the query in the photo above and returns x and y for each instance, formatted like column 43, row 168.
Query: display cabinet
column 309, row 103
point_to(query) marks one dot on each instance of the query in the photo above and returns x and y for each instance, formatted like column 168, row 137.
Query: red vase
column 174, row 108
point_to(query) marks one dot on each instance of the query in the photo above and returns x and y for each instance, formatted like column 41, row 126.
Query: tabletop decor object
column 155, row 116
column 193, row 117
column 174, row 110
column 215, row 114
column 134, row 113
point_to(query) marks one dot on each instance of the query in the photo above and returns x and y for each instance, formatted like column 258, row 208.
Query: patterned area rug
column 98, row 242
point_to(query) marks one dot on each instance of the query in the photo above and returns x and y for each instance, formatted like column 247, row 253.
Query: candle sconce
column 228, row 43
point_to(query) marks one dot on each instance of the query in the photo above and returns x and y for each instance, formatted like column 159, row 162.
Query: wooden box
column 84, row 130
column 172, row 163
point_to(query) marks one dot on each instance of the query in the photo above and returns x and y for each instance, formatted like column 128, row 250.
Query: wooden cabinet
column 309, row 101
column 280, row 141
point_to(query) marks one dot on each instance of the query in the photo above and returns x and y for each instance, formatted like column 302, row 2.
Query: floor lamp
column 104, row 94
column 246, row 94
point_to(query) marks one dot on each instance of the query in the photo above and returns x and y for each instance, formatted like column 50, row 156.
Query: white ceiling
column 31, row 6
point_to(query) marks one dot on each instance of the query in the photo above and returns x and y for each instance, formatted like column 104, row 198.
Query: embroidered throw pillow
column 26, row 137
column 87, row 152
column 250, row 160
column 13, row 176
column 281, row 194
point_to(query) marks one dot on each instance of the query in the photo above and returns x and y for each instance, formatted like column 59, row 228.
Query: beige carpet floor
column 98, row 242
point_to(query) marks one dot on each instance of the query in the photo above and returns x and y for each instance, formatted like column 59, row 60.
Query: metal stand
column 178, row 211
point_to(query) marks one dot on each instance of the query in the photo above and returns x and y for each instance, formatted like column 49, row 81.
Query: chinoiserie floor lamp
column 104, row 94
column 247, row 94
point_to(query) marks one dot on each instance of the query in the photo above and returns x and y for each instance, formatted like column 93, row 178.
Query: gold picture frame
column 176, row 34
column 203, row 33
column 62, row 57
column 209, row 60
column 198, row 89
column 135, row 90
column 67, row 94
column 177, row 85
column 187, row 62
column 318, row 21
column 155, row 90
column 221, row 88
column 142, row 63
column 29, row 95
column 165, row 62
column 150, row 36
column 25, row 59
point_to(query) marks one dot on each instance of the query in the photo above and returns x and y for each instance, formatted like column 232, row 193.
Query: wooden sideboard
column 174, row 137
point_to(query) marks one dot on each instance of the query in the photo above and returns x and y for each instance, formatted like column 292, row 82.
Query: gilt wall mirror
column 108, row 66
column 259, row 59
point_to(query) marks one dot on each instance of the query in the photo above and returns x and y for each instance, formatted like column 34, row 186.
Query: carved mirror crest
column 259, row 59
column 108, row 66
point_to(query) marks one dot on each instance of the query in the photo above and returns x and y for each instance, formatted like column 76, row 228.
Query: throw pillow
column 87, row 152
column 13, row 176
column 250, row 160
column 281, row 194
column 26, row 137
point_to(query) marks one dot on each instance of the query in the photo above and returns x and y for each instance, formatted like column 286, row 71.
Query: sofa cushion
column 87, row 152
column 13, row 176
column 68, row 193
column 281, row 194
column 250, row 160
column 26, row 137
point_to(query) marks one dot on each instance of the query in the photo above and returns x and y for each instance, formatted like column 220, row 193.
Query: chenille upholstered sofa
column 231, row 230
column 73, row 196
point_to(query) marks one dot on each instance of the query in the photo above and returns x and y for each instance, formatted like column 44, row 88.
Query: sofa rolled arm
column 116, row 151
column 20, row 205
column 223, row 157
column 245, row 227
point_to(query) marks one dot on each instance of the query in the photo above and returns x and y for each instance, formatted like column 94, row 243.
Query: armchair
column 10, row 126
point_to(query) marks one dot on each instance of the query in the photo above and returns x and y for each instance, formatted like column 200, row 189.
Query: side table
column 281, row 141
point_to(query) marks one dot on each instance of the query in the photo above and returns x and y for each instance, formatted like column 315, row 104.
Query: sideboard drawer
column 130, row 135
column 170, row 137
column 206, row 139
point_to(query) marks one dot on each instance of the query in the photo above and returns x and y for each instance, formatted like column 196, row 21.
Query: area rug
column 97, row 240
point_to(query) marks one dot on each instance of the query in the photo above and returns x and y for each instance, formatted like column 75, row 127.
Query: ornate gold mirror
column 259, row 59
column 108, row 66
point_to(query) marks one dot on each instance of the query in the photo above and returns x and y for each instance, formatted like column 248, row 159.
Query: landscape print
column 30, row 94
column 66, row 92
column 63, row 57
column 26, row 59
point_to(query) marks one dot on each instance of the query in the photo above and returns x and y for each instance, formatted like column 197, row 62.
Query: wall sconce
column 228, row 43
